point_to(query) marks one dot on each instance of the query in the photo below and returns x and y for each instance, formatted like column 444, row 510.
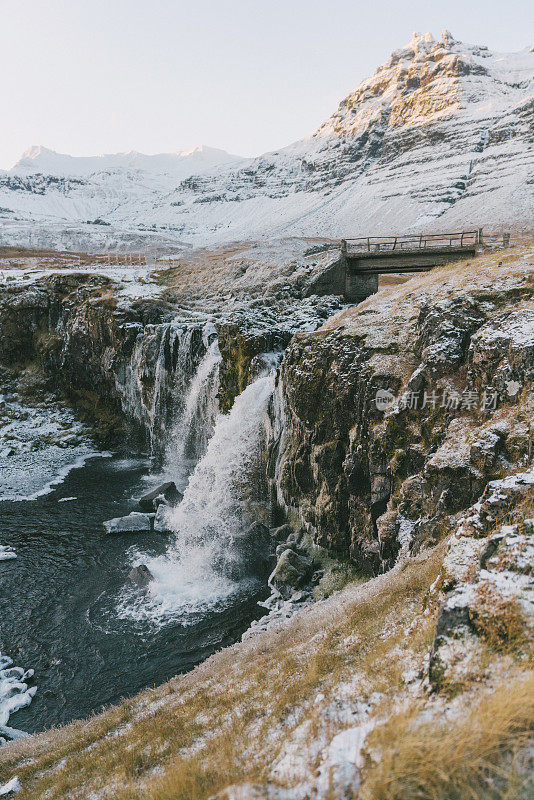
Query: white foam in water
column 189, row 577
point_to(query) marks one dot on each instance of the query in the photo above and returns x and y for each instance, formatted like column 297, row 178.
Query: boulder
column 141, row 576
column 133, row 523
column 164, row 493
column 282, row 533
column 290, row 573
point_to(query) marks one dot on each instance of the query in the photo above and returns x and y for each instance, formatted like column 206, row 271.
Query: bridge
column 364, row 259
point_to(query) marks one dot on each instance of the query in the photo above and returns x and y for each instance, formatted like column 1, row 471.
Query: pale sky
column 100, row 76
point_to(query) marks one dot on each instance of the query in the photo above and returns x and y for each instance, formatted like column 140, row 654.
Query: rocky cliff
column 125, row 358
column 397, row 412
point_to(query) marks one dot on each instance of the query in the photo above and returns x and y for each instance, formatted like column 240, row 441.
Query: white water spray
column 194, row 575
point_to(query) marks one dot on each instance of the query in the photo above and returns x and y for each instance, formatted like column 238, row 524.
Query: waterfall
column 194, row 426
column 154, row 382
column 220, row 502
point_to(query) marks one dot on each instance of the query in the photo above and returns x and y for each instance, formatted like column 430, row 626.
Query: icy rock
column 133, row 523
column 11, row 787
column 339, row 773
column 299, row 597
column 160, row 520
column 290, row 573
column 12, row 734
column 166, row 492
column 6, row 552
column 141, row 576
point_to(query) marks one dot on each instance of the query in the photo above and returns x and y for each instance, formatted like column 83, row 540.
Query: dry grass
column 478, row 757
column 229, row 719
column 498, row 620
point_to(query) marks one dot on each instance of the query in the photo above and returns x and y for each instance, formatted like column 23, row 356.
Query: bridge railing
column 423, row 241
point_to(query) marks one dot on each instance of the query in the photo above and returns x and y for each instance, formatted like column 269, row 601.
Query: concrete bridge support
column 360, row 285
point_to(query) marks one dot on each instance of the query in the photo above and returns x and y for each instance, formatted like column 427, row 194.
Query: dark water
column 58, row 600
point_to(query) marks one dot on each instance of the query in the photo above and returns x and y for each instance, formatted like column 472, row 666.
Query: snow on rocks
column 14, row 695
column 13, row 786
column 341, row 767
column 278, row 612
column 6, row 553
column 486, row 575
column 39, row 445
column 135, row 522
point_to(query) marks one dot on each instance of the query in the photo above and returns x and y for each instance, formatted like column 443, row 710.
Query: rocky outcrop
column 164, row 493
column 487, row 583
column 397, row 413
column 74, row 328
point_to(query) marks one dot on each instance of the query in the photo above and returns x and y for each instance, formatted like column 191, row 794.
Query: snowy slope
column 440, row 136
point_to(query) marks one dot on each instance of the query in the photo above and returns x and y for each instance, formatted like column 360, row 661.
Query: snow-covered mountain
column 440, row 136
column 200, row 159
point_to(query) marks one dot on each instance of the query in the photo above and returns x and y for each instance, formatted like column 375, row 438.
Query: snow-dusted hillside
column 441, row 136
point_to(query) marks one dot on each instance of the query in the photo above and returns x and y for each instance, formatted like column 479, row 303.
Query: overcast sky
column 100, row 76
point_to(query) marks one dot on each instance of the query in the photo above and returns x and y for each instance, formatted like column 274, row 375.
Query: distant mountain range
column 440, row 136
column 200, row 159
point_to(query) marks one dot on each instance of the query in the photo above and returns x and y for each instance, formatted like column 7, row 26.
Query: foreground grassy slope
column 264, row 711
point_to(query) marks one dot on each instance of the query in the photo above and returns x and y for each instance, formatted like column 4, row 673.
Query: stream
column 68, row 608
column 59, row 599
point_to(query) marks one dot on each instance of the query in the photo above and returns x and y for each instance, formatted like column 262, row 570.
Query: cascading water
column 156, row 378
column 200, row 570
column 194, row 426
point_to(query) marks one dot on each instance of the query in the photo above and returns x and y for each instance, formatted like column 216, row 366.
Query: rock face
column 413, row 146
column 487, row 581
column 454, row 354
column 114, row 362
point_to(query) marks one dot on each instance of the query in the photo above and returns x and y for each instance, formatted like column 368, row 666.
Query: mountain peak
column 37, row 150
column 428, row 80
column 419, row 38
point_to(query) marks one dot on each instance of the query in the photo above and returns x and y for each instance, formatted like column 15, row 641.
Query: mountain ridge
column 417, row 145
column 44, row 160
